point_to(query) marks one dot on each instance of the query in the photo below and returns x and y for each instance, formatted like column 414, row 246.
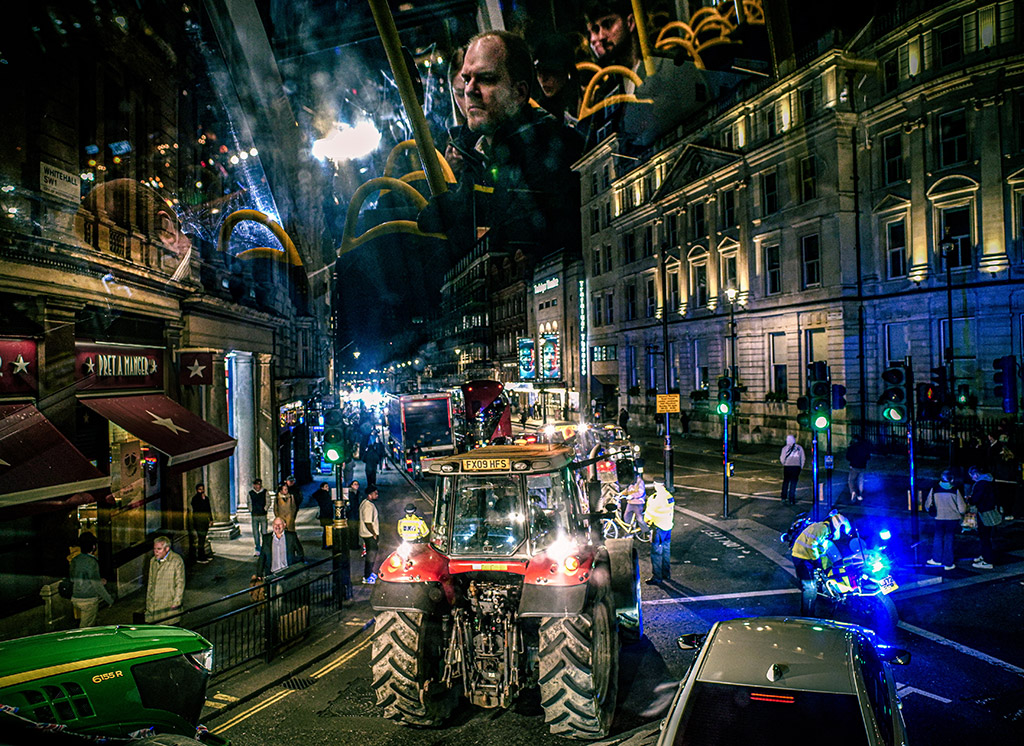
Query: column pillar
column 993, row 257
column 218, row 474
column 920, row 231
column 266, row 421
column 244, row 421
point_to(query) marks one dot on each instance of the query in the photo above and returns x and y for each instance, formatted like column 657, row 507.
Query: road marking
column 722, row 597
column 215, row 705
column 342, row 659
column 245, row 714
column 225, row 697
column 902, row 689
column 960, row 647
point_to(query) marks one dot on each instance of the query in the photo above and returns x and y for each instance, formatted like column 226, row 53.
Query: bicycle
column 616, row 527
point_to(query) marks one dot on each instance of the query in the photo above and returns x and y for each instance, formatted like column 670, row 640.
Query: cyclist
column 636, row 498
column 813, row 548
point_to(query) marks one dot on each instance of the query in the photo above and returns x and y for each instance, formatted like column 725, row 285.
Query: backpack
column 65, row 588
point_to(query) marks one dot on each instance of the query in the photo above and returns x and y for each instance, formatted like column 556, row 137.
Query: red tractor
column 514, row 587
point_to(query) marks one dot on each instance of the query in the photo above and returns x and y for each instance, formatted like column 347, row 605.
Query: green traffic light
column 333, row 454
column 820, row 422
column 892, row 414
column 724, row 408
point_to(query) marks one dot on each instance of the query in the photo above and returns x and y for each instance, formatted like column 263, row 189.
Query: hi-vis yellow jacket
column 413, row 528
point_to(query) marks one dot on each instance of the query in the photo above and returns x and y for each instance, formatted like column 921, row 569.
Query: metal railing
column 260, row 621
column 933, row 437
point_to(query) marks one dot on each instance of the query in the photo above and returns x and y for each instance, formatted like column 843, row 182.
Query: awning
column 37, row 462
column 607, row 380
column 188, row 441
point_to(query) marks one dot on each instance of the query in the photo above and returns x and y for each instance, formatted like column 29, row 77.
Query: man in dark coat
column 281, row 550
column 372, row 453
column 517, row 179
column 202, row 516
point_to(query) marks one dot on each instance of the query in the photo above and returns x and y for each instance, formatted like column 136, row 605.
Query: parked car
column 777, row 680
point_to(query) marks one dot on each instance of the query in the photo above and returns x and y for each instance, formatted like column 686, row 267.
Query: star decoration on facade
column 166, row 422
column 90, row 366
column 20, row 365
column 152, row 366
column 196, row 370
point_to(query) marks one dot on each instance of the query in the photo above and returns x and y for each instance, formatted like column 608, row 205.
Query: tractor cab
column 506, row 501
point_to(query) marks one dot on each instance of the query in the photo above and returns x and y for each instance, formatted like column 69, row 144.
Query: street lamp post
column 667, row 455
column 731, row 295
column 946, row 248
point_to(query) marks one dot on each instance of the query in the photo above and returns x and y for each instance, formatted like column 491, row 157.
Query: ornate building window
column 810, row 261
column 772, row 269
column 896, row 249
column 953, row 138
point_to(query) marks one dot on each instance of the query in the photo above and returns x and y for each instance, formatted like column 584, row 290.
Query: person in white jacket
column 792, row 460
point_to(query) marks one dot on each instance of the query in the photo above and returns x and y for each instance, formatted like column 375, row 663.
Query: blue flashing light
column 884, row 534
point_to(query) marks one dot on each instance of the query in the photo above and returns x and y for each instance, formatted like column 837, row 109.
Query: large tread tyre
column 407, row 665
column 579, row 671
column 624, row 569
column 877, row 613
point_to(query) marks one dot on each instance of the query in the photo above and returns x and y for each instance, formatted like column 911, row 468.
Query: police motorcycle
column 856, row 587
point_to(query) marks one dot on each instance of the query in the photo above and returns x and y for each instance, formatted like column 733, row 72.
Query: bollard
column 341, row 563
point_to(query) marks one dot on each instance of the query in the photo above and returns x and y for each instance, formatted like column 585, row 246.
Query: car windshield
column 494, row 515
column 727, row 714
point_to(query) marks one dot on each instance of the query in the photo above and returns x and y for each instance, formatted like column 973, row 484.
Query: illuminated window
column 729, row 274
column 652, row 369
column 701, row 364
column 779, row 383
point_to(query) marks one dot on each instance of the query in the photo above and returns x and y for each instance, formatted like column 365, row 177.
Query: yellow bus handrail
column 350, row 241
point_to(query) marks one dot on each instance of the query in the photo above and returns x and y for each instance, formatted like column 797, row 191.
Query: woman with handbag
column 983, row 496
column 947, row 506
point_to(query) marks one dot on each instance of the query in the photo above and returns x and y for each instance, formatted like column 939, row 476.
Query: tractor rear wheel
column 579, row 671
column 407, row 666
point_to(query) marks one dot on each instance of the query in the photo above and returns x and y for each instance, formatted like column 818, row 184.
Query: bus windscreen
column 428, row 422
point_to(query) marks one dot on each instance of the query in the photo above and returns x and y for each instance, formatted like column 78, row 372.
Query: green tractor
column 132, row 684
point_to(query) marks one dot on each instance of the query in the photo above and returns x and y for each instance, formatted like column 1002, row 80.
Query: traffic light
column 728, row 396
column 838, row 396
column 896, row 405
column 928, row 403
column 940, row 379
column 803, row 413
column 819, row 390
column 964, row 397
column 335, row 442
column 1006, row 382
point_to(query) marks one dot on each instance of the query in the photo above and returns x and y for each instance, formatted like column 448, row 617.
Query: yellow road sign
column 668, row 403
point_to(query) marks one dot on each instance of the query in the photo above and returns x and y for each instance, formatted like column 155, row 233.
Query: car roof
column 808, row 654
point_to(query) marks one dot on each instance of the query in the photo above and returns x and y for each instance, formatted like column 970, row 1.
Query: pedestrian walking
column 202, row 517
column 949, row 508
column 88, row 586
column 792, row 460
column 369, row 533
column 258, row 512
column 325, row 513
column 285, row 506
column 983, row 497
column 372, row 453
column 857, row 455
column 624, row 420
column 660, row 513
column 684, row 423
column 166, row 587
